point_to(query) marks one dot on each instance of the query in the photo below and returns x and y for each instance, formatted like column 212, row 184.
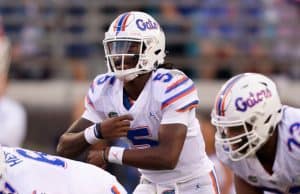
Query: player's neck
column 267, row 153
column 135, row 87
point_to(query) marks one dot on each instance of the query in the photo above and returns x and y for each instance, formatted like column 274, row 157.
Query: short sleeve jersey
column 169, row 96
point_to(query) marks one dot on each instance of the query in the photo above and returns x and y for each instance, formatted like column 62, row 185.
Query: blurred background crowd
column 211, row 39
column 56, row 49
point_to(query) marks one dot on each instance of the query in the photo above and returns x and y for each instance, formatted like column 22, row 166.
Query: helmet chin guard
column 248, row 105
column 134, row 44
column 126, row 75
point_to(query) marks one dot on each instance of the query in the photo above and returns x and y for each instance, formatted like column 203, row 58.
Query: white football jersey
column 169, row 96
column 221, row 174
column 30, row 172
column 286, row 167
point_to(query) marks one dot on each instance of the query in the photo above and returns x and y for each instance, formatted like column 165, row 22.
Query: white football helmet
column 250, row 102
column 134, row 44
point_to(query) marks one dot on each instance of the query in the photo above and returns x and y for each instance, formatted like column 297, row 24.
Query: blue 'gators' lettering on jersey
column 41, row 157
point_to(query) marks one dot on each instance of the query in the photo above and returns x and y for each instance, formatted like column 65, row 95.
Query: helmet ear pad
column 247, row 99
column 136, row 27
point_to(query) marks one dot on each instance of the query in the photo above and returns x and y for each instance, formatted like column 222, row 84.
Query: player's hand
column 115, row 127
column 95, row 157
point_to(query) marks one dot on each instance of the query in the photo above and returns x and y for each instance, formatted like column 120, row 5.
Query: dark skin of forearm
column 162, row 157
column 165, row 156
column 72, row 142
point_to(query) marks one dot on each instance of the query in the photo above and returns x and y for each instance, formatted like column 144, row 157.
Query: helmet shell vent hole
column 245, row 86
column 268, row 119
column 157, row 51
column 264, row 83
column 271, row 130
column 253, row 119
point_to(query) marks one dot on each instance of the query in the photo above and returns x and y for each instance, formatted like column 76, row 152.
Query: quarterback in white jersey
column 154, row 108
column 257, row 137
column 29, row 172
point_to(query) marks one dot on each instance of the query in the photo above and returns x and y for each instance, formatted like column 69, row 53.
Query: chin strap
column 130, row 77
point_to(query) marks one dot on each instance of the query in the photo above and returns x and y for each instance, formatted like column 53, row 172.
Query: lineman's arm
column 242, row 187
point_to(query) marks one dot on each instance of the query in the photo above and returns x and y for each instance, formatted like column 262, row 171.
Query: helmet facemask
column 244, row 143
column 128, row 58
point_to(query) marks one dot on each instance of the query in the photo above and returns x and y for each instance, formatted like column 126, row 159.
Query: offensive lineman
column 28, row 172
column 257, row 137
column 153, row 107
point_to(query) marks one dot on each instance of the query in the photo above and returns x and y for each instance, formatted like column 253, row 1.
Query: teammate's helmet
column 134, row 44
column 250, row 101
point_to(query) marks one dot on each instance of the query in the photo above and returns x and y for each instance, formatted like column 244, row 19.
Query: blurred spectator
column 12, row 114
column 30, row 60
column 30, row 55
column 78, row 69
column 224, row 57
column 176, row 15
column 207, row 60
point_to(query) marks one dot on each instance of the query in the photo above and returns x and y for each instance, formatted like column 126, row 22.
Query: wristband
column 90, row 136
column 115, row 154
column 102, row 152
column 97, row 131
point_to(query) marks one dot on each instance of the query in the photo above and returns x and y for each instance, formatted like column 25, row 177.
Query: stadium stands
column 255, row 30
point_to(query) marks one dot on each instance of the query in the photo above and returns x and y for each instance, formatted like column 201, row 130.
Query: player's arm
column 242, row 187
column 165, row 155
column 74, row 140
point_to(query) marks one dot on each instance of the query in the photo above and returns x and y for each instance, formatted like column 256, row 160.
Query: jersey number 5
column 140, row 138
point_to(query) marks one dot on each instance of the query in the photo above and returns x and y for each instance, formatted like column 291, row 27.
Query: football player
column 153, row 107
column 257, row 137
column 28, row 172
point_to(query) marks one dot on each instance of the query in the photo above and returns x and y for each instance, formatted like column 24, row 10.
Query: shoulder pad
column 100, row 86
column 174, row 90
